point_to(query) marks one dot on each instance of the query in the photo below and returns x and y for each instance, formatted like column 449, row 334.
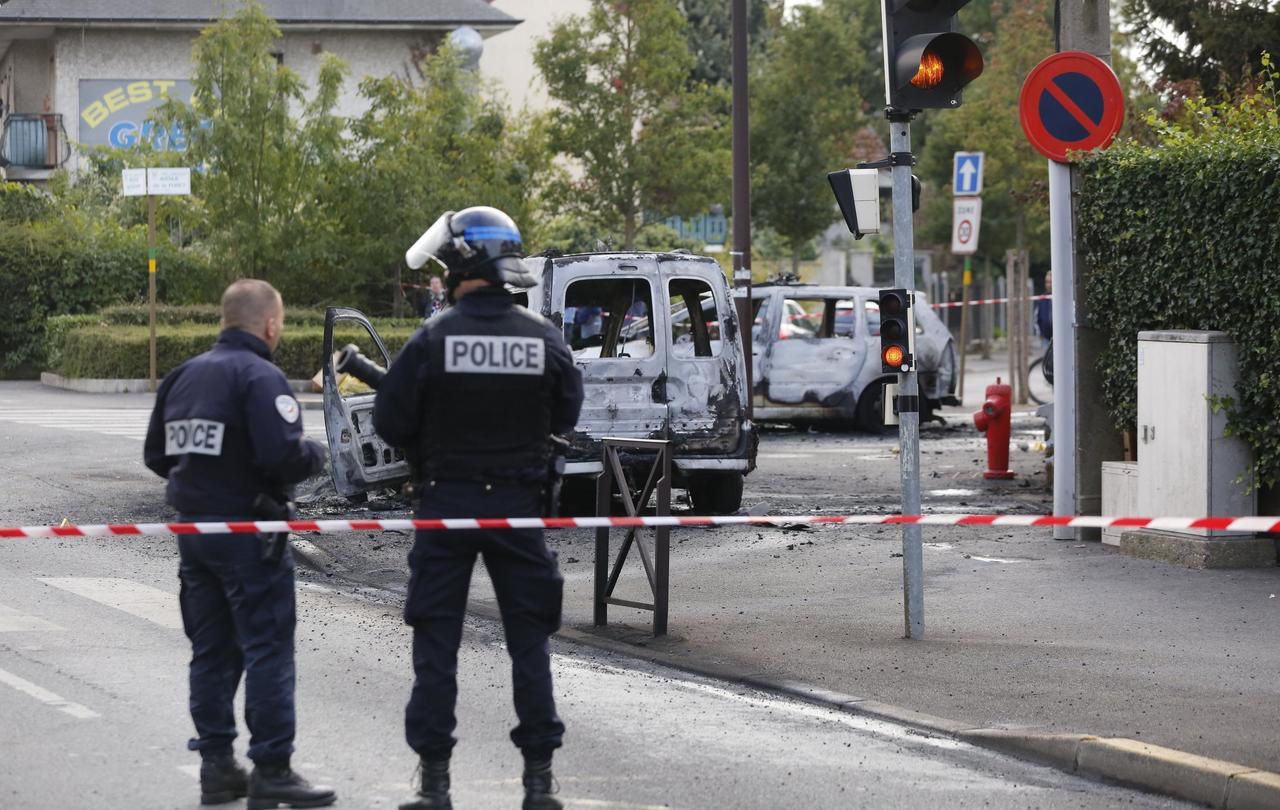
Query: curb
column 85, row 385
column 1153, row 768
column 1167, row 771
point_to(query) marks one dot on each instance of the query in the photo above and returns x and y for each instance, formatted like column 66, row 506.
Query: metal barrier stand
column 657, row 565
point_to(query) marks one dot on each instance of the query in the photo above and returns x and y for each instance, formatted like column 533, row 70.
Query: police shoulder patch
column 288, row 408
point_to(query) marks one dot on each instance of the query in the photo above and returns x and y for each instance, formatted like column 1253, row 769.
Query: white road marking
column 129, row 423
column 880, row 727
column 46, row 697
column 14, row 621
column 136, row 599
column 190, row 770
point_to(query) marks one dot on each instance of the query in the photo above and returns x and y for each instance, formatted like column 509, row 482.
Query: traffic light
column 897, row 331
column 925, row 62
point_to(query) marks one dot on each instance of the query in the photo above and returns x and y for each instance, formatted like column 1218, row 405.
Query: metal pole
column 1062, row 263
column 151, row 281
column 904, row 275
column 964, row 324
column 742, row 191
column 1010, row 318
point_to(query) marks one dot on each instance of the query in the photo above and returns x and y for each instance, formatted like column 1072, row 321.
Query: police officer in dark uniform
column 476, row 395
column 227, row 434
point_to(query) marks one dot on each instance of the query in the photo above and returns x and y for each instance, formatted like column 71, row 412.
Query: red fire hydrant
column 994, row 420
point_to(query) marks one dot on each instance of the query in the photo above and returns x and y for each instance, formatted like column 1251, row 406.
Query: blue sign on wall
column 709, row 229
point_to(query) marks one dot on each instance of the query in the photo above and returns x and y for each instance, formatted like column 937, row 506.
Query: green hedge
column 211, row 314
column 74, row 263
column 99, row 351
column 1186, row 235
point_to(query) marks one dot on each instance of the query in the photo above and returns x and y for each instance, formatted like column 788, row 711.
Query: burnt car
column 815, row 355
column 658, row 343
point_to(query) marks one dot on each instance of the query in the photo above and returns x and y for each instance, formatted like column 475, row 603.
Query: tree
column 642, row 138
column 804, row 113
column 711, row 35
column 261, row 170
column 1015, row 212
column 426, row 148
column 1216, row 43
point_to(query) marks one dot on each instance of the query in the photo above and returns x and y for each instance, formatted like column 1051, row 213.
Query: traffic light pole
column 904, row 275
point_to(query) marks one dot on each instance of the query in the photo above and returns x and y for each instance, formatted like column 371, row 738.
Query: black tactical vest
column 488, row 396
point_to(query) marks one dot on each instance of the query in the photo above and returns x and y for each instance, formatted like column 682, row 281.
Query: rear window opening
column 816, row 318
column 609, row 318
column 699, row 335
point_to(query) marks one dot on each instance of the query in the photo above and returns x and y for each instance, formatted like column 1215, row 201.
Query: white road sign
column 140, row 182
column 965, row 225
column 966, row 177
column 169, row 181
column 134, row 182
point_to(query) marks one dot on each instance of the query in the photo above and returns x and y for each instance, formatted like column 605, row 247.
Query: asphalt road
column 93, row 692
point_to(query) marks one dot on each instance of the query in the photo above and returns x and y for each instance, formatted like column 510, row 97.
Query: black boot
column 274, row 785
column 222, row 779
column 539, row 785
column 433, row 787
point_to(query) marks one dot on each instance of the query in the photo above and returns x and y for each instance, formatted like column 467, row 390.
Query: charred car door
column 608, row 322
column 810, row 362
column 359, row 459
column 705, row 369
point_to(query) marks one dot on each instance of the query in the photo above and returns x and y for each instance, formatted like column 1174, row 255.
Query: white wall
column 508, row 57
column 158, row 54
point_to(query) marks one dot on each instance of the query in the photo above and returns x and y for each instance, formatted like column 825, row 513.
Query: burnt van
column 661, row 353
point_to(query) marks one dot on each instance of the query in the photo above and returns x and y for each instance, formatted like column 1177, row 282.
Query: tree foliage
column 420, row 150
column 641, row 136
column 264, row 171
column 804, row 113
column 1217, row 44
column 1015, row 192
column 710, row 35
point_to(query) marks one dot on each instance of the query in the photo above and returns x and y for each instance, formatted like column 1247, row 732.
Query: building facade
column 80, row 73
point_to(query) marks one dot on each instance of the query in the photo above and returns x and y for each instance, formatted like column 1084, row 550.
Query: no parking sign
column 1071, row 101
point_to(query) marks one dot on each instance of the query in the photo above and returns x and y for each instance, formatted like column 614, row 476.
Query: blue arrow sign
column 966, row 177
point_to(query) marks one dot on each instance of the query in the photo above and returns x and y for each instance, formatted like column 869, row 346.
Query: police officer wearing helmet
column 477, row 394
column 226, row 432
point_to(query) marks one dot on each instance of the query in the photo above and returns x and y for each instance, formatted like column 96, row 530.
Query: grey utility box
column 1186, row 466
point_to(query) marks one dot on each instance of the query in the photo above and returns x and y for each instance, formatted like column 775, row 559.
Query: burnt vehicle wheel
column 870, row 416
column 716, row 493
column 578, row 497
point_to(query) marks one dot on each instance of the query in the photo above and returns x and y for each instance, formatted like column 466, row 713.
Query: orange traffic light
column 926, row 62
column 930, row 72
column 893, row 356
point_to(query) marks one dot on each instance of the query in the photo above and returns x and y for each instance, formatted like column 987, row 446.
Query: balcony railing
column 34, row 141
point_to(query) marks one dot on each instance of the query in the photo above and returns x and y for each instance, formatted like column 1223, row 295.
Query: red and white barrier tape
column 1246, row 524
column 975, row 302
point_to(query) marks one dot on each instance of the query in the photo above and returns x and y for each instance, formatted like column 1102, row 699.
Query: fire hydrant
column 994, row 420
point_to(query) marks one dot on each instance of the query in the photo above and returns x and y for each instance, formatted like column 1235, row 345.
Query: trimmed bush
column 1186, row 235
column 70, row 266
column 98, row 351
column 211, row 315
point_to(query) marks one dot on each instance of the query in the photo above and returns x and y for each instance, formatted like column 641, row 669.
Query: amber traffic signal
column 897, row 331
column 926, row 62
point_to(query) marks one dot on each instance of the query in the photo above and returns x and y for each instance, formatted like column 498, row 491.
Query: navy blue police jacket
column 226, row 428
column 478, row 391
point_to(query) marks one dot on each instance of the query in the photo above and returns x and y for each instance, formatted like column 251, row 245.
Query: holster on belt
column 265, row 507
column 555, row 476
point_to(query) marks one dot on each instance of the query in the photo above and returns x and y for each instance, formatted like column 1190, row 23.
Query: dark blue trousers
column 239, row 614
column 526, row 578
